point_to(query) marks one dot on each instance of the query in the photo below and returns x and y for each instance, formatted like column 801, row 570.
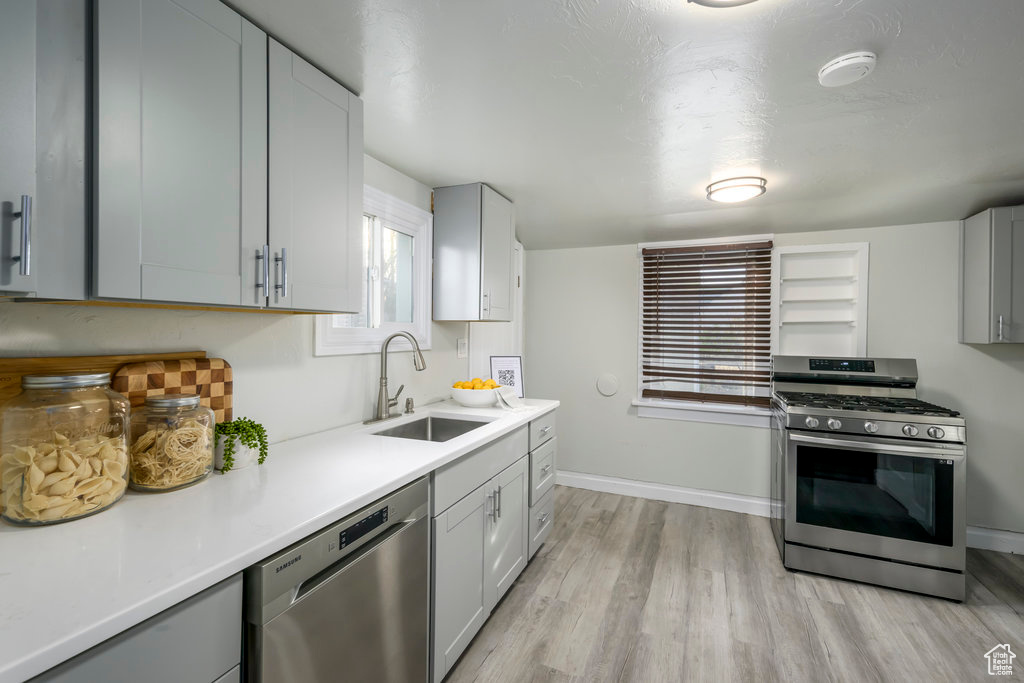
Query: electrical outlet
column 463, row 348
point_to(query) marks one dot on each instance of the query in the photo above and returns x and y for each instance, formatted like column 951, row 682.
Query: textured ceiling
column 603, row 120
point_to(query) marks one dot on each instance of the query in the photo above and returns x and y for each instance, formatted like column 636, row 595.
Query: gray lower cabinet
column 43, row 234
column 180, row 151
column 460, row 598
column 316, row 188
column 543, row 456
column 505, row 545
column 480, row 548
column 542, row 517
column 199, row 640
column 992, row 277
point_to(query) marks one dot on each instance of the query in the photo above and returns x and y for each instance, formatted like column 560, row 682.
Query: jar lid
column 173, row 401
column 92, row 379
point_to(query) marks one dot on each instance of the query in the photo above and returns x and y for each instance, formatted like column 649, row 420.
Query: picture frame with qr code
column 507, row 371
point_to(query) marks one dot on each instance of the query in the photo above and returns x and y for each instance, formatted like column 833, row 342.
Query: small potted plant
column 239, row 443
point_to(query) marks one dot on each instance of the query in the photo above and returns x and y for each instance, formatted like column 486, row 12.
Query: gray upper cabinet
column 992, row 277
column 474, row 230
column 42, row 149
column 181, row 180
column 316, row 188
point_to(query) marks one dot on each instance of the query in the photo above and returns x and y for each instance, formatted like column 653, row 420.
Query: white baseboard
column 751, row 505
column 995, row 539
column 977, row 537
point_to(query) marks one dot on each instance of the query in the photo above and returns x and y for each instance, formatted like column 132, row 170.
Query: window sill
column 744, row 416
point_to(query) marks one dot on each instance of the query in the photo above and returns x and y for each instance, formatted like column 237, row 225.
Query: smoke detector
column 847, row 69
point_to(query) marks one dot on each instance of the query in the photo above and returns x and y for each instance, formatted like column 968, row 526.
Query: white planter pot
column 244, row 456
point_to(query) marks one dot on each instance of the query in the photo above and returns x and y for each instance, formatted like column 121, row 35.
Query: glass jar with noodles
column 63, row 448
column 172, row 443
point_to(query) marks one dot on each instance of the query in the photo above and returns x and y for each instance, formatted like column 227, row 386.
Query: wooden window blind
column 706, row 323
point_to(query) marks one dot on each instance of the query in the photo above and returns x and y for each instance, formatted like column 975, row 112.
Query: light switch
column 462, row 348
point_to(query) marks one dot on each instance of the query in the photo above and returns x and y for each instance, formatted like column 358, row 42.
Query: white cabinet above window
column 819, row 300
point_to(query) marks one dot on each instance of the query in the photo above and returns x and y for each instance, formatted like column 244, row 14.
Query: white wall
column 581, row 321
column 277, row 379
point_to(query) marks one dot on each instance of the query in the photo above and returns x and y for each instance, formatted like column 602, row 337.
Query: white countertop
column 68, row 587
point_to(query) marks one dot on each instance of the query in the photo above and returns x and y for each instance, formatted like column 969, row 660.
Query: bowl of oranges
column 475, row 393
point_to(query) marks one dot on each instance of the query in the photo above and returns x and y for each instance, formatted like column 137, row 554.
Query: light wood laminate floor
column 627, row 589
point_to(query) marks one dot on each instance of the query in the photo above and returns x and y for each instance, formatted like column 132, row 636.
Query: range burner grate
column 880, row 404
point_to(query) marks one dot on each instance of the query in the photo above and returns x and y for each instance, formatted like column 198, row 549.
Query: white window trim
column 693, row 411
column 409, row 219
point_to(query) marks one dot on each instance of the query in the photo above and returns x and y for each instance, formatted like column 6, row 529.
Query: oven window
column 898, row 496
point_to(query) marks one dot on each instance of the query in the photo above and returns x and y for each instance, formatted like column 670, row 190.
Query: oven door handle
column 896, row 449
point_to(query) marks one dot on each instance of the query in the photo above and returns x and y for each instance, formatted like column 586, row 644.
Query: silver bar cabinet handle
column 263, row 260
column 24, row 259
column 543, row 518
column 283, row 260
column 493, row 497
column 498, row 502
column 999, row 333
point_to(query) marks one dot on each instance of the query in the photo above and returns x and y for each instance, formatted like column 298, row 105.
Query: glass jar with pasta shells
column 63, row 448
column 172, row 443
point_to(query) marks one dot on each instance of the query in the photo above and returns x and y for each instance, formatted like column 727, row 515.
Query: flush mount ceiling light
column 847, row 69
column 721, row 3
column 740, row 189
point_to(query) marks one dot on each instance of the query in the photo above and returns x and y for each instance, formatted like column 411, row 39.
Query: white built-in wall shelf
column 819, row 300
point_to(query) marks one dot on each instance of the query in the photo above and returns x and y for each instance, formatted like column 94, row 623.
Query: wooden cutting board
column 211, row 378
column 13, row 369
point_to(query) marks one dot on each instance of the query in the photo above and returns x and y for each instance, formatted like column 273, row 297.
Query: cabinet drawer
column 542, row 470
column 542, row 518
column 459, row 478
column 542, row 429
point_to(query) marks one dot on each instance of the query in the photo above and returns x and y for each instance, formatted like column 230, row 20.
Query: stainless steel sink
column 432, row 428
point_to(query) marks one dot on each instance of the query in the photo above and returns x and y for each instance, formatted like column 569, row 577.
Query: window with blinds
column 706, row 323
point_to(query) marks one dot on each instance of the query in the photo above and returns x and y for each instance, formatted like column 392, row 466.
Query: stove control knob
column 870, row 427
column 833, row 423
column 910, row 430
column 811, row 422
column 936, row 432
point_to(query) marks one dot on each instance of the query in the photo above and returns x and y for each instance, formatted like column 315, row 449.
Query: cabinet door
column 497, row 235
column 506, row 542
column 1015, row 331
column 459, row 591
column 199, row 639
column 316, row 188
column 181, row 145
column 17, row 137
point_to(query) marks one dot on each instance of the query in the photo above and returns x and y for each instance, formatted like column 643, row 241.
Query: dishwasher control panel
column 354, row 532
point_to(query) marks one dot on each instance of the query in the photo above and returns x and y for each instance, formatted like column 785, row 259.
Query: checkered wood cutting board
column 208, row 377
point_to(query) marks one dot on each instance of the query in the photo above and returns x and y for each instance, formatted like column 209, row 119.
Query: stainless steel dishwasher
column 349, row 603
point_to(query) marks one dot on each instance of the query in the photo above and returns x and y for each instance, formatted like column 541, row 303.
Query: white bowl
column 475, row 398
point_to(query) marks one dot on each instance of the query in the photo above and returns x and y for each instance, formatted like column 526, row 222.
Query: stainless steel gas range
column 868, row 481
